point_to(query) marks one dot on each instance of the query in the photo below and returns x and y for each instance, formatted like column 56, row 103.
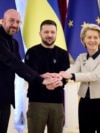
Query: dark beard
column 48, row 44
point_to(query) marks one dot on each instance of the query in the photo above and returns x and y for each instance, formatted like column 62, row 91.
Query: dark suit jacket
column 10, row 63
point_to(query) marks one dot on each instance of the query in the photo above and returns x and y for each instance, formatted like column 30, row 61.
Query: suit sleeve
column 11, row 61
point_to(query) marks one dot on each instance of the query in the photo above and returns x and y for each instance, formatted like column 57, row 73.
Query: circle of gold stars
column 85, row 24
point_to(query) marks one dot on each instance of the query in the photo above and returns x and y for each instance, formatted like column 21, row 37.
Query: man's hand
column 51, row 83
column 51, row 75
column 56, row 75
column 46, row 75
column 54, row 85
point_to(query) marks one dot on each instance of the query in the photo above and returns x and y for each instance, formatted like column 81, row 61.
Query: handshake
column 53, row 80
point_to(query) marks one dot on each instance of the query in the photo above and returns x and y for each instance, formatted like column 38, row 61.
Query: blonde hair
column 86, row 28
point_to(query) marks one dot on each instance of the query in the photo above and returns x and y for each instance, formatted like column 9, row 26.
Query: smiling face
column 48, row 35
column 11, row 22
column 92, row 40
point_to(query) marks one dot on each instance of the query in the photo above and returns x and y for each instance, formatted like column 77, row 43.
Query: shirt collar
column 93, row 56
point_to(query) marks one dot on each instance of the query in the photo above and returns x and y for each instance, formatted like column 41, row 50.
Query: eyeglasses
column 12, row 21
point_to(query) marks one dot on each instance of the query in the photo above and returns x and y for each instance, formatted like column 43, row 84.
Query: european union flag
column 80, row 12
column 7, row 4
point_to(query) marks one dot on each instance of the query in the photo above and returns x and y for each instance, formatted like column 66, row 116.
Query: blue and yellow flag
column 80, row 12
column 5, row 5
column 36, row 12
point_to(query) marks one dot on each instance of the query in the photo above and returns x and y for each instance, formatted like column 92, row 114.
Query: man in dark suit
column 10, row 63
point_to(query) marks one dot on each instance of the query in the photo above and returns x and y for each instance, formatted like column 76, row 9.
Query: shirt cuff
column 39, row 79
column 73, row 76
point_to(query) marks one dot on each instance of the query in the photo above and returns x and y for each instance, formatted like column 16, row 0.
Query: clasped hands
column 53, row 80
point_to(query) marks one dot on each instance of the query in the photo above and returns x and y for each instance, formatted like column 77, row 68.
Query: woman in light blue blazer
column 87, row 71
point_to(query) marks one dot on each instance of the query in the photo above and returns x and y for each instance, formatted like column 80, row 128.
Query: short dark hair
column 48, row 22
